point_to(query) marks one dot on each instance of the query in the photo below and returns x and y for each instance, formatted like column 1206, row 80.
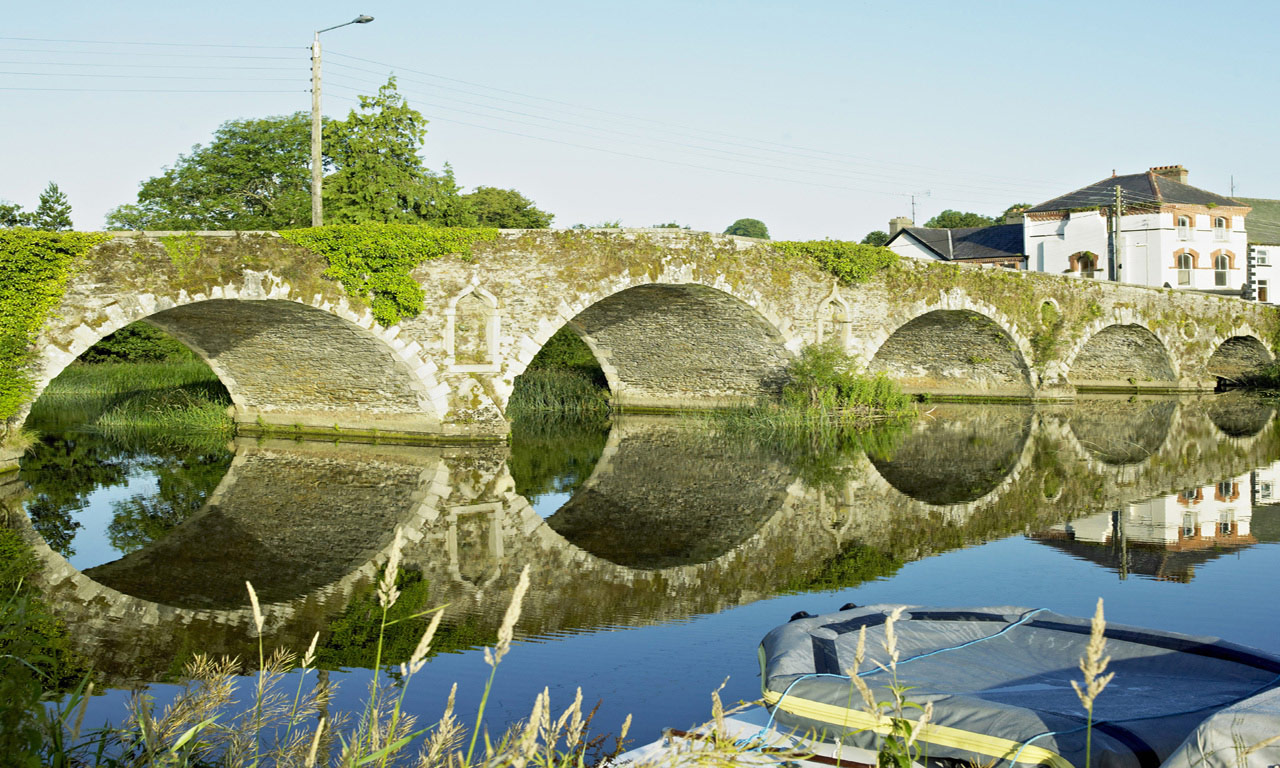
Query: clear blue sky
column 818, row 117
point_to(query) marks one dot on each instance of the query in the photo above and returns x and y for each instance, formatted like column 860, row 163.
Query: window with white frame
column 1184, row 269
column 1219, row 228
column 1184, row 227
column 1260, row 257
column 1261, row 290
column 1220, row 266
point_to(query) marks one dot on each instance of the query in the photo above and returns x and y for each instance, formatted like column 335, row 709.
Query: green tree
column 506, row 209
column 53, row 213
column 12, row 215
column 379, row 175
column 876, row 237
column 669, row 225
column 748, row 228
column 1015, row 208
column 255, row 174
column 950, row 219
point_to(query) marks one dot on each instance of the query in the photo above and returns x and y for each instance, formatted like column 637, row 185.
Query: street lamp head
column 362, row 19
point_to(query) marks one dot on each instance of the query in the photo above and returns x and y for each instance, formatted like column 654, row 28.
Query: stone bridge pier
column 676, row 320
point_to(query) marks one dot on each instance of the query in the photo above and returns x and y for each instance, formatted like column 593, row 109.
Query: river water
column 661, row 550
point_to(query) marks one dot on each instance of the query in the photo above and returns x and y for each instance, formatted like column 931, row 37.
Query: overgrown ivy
column 35, row 265
column 851, row 262
column 373, row 261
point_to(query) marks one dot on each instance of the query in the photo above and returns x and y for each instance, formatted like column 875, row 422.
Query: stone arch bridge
column 676, row 320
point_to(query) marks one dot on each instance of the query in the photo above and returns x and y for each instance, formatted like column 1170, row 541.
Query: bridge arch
column 283, row 360
column 1121, row 352
column 672, row 340
column 956, row 344
column 1237, row 354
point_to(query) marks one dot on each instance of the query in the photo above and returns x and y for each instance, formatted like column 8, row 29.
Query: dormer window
column 1219, row 228
column 1184, row 227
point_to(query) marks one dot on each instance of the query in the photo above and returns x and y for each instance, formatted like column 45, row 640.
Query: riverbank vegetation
column 136, row 385
column 563, row 381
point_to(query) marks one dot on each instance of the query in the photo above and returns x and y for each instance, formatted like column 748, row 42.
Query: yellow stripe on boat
column 943, row 736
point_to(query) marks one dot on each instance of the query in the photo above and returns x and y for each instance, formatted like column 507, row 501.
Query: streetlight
column 317, row 162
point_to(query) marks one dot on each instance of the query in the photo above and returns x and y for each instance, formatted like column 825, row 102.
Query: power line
column 146, row 77
column 132, row 42
column 144, row 90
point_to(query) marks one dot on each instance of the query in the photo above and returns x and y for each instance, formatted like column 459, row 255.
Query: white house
column 1263, row 225
column 1171, row 233
column 1000, row 245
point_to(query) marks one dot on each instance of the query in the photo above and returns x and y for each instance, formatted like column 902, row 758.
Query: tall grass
column 560, row 393
column 133, row 402
column 279, row 724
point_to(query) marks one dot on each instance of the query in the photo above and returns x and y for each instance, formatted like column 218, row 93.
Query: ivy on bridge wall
column 35, row 266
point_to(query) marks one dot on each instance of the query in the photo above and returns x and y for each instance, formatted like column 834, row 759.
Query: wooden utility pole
column 317, row 161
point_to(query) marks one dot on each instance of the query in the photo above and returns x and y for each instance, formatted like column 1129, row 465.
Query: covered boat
column 999, row 679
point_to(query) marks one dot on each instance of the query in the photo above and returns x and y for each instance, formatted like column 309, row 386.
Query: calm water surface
column 661, row 552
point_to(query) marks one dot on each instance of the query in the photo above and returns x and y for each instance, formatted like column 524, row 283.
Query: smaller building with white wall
column 1263, row 225
column 1000, row 245
column 1171, row 234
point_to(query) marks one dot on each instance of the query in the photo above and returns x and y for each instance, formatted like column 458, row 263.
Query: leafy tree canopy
column 950, row 219
column 12, row 215
column 506, row 209
column 748, row 228
column 1015, row 208
column 612, row 224
column 379, row 175
column 876, row 237
column 255, row 174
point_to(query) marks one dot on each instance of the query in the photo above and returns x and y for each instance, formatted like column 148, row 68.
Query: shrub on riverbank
column 1265, row 379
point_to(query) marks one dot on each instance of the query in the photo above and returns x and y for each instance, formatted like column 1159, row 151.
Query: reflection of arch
column 472, row 331
column 1240, row 418
column 943, row 349
column 662, row 497
column 1238, row 355
column 1115, row 354
column 1121, row 433
column 834, row 317
column 963, row 463
column 111, row 619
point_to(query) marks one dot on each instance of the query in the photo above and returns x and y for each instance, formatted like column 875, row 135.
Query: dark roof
column 964, row 243
column 1146, row 187
column 1262, row 224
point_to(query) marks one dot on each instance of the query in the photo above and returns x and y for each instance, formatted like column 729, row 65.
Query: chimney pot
column 1175, row 172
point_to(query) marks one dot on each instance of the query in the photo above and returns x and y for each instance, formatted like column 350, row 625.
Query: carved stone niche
column 834, row 318
column 473, row 325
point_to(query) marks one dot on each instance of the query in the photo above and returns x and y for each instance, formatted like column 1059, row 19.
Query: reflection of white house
column 1171, row 233
column 1263, row 224
column 1167, row 536
column 1266, row 484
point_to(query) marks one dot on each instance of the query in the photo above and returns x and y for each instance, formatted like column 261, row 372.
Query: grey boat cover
column 1000, row 679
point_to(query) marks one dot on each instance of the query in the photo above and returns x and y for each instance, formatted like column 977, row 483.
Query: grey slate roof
column 1135, row 188
column 1262, row 224
column 1002, row 240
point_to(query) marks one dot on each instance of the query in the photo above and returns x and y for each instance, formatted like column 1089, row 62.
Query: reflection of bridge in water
column 671, row 523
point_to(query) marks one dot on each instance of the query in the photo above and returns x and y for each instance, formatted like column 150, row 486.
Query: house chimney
column 1175, row 172
column 899, row 223
column 1015, row 215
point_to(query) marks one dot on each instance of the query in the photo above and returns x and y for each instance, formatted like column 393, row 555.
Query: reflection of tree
column 554, row 455
column 62, row 470
column 184, row 485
